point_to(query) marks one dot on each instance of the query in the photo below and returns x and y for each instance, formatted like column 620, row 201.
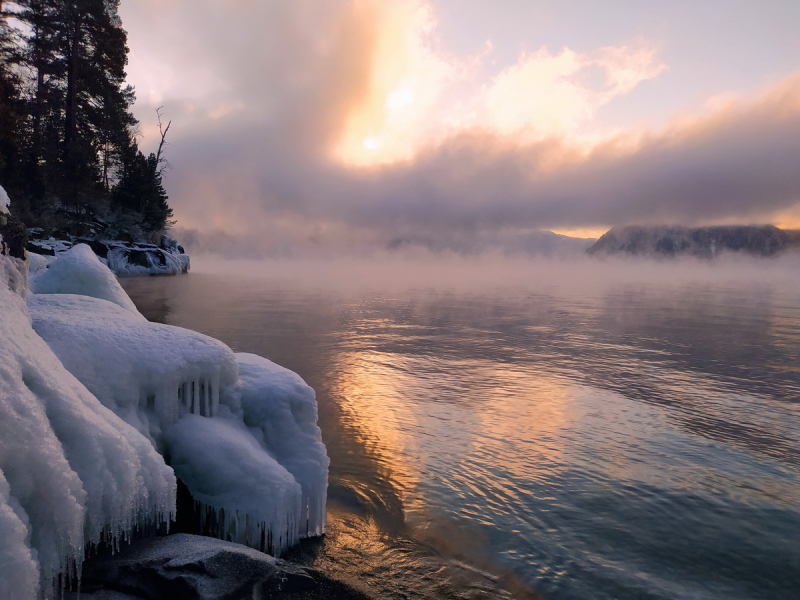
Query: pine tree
column 10, row 102
column 74, row 151
column 140, row 190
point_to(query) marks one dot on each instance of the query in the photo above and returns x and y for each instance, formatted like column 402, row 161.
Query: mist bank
column 654, row 242
column 369, row 244
column 446, row 271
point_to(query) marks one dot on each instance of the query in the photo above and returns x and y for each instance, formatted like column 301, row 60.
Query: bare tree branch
column 163, row 131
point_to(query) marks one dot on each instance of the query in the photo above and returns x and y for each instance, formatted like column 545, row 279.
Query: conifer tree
column 72, row 143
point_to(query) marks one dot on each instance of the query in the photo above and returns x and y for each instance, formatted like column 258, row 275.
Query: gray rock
column 181, row 566
column 100, row 595
column 292, row 577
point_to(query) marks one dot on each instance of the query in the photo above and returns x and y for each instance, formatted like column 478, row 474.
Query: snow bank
column 37, row 264
column 70, row 469
column 79, row 271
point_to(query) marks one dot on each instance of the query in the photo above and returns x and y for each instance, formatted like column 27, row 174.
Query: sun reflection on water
column 626, row 441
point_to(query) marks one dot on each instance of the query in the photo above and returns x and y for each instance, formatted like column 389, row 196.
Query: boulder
column 182, row 566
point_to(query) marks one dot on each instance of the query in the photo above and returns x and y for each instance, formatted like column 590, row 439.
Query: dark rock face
column 182, row 566
column 702, row 242
column 15, row 236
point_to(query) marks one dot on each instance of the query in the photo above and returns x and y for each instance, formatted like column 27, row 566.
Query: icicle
column 215, row 394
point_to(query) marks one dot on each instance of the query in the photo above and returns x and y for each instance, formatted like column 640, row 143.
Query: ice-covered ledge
column 101, row 409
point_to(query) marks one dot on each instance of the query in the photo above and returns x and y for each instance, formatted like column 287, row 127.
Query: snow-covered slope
column 93, row 397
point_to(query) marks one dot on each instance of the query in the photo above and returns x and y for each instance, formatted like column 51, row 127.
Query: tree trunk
column 39, row 112
column 71, row 121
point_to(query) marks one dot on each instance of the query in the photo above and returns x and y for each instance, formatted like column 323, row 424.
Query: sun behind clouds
column 418, row 94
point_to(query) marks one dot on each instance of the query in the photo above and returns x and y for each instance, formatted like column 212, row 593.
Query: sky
column 321, row 125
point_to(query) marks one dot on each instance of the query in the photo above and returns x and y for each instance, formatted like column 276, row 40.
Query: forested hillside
column 69, row 157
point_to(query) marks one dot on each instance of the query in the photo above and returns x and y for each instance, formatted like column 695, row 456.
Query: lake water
column 527, row 430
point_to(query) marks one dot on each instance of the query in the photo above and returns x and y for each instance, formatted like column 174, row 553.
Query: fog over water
column 519, row 428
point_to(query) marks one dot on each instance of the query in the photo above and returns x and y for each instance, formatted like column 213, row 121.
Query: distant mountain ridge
column 541, row 243
column 701, row 242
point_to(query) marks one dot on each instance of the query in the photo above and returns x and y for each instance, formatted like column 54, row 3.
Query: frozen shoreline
column 119, row 407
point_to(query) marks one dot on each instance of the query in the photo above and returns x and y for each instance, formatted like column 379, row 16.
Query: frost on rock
column 239, row 431
column 79, row 271
column 71, row 471
column 281, row 411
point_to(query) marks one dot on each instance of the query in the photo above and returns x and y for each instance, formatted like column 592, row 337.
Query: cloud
column 340, row 124
column 547, row 95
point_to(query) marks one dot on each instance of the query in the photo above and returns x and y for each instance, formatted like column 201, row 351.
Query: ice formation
column 92, row 395
column 281, row 411
column 158, row 261
column 147, row 373
column 79, row 271
column 254, row 500
column 4, row 201
column 239, row 431
column 123, row 258
column 71, row 470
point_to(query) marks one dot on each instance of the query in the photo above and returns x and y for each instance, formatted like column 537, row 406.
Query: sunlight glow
column 419, row 95
column 372, row 143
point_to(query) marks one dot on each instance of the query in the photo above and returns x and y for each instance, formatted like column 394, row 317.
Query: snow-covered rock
column 78, row 271
column 123, row 258
column 239, row 431
column 139, row 259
